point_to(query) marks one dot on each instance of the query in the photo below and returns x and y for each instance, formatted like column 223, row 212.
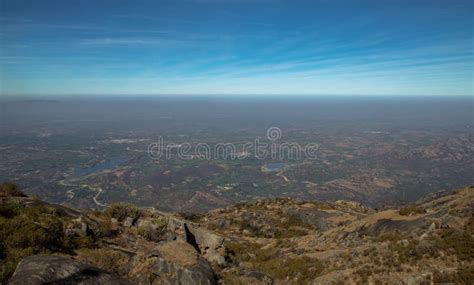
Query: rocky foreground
column 280, row 241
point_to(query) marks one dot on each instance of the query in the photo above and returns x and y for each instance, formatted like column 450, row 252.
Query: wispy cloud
column 152, row 18
column 161, row 42
column 187, row 47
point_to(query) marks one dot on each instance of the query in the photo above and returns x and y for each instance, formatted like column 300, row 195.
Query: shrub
column 193, row 217
column 9, row 209
column 8, row 266
column 364, row 273
column 107, row 259
column 391, row 236
column 8, row 189
column 122, row 211
column 461, row 243
column 28, row 231
column 463, row 275
column 105, row 229
column 72, row 242
column 300, row 269
column 154, row 231
column 290, row 227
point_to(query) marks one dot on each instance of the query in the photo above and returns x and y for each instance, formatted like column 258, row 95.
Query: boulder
column 206, row 242
column 174, row 262
column 314, row 217
column 53, row 269
column 209, row 244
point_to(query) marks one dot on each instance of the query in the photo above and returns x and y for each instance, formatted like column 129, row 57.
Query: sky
column 259, row 47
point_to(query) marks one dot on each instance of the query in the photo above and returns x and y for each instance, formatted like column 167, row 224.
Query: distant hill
column 278, row 241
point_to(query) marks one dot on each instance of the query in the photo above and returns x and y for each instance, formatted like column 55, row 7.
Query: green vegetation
column 413, row 250
column 10, row 209
column 108, row 239
column 301, row 269
column 121, row 211
column 364, row 273
column 273, row 226
column 107, row 259
column 193, row 217
column 268, row 259
column 450, row 241
column 462, row 243
column 8, row 189
column 155, row 230
column 30, row 230
column 105, row 228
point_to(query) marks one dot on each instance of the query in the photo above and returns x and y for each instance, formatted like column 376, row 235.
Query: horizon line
column 17, row 97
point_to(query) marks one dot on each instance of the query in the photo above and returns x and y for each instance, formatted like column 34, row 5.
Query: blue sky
column 390, row 47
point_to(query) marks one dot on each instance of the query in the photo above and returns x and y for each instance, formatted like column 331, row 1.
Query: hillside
column 279, row 241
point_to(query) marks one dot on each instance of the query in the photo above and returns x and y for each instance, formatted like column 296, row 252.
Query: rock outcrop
column 53, row 269
column 279, row 241
column 174, row 262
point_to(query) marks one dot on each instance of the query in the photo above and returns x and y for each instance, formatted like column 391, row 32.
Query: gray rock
column 172, row 273
column 223, row 223
column 386, row 225
column 432, row 227
column 445, row 226
column 77, row 228
column 176, row 262
column 129, row 222
column 312, row 217
column 52, row 269
column 210, row 244
column 207, row 243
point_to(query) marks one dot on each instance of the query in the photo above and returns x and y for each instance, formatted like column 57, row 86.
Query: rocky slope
column 280, row 241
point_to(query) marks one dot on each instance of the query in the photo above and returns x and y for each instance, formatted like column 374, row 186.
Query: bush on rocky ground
column 30, row 230
column 121, row 211
column 8, row 189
